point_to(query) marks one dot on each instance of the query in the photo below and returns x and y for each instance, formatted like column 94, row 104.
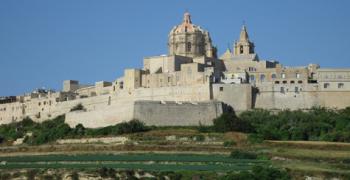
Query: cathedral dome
column 190, row 40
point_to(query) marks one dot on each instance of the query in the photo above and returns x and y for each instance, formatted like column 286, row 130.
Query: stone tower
column 190, row 40
column 243, row 46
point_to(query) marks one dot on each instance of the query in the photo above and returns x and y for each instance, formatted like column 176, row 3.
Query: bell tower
column 243, row 46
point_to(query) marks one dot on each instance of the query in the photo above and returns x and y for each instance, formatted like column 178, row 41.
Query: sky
column 43, row 42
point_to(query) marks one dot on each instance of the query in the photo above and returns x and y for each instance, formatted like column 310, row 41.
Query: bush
column 79, row 130
column 230, row 122
column 224, row 123
column 237, row 154
column 317, row 124
column 259, row 173
column 78, row 107
column 229, row 143
column 118, row 129
column 199, row 138
column 204, row 129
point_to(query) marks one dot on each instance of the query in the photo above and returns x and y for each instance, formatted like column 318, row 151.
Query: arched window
column 262, row 77
column 188, row 47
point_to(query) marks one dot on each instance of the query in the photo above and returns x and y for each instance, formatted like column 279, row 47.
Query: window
column 168, row 79
column 292, row 82
column 188, row 47
column 296, row 89
column 277, row 82
column 273, row 76
column 340, row 85
column 185, row 29
column 282, row 89
column 284, row 82
column 283, row 76
column 300, row 82
column 252, row 78
column 39, row 103
column 262, row 77
column 325, row 85
column 297, row 75
column 221, row 88
column 240, row 49
column 251, row 69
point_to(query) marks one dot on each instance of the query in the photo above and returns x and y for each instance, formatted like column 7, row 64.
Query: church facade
column 190, row 85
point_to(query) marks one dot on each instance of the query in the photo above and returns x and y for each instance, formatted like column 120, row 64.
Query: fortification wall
column 300, row 96
column 287, row 96
column 145, row 104
column 177, row 114
column 238, row 96
column 40, row 109
column 107, row 116
column 334, row 99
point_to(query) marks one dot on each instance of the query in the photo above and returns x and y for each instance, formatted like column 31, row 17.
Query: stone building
column 188, row 86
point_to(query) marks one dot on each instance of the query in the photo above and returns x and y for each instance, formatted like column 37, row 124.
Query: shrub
column 79, row 130
column 259, row 173
column 313, row 125
column 78, row 107
column 229, row 143
column 199, row 138
column 237, row 154
column 224, row 123
column 121, row 128
column 230, row 122
column 204, row 129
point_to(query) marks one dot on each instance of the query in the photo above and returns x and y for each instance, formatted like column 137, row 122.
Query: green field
column 160, row 162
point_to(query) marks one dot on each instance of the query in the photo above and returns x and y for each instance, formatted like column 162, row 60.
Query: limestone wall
column 300, row 96
column 177, row 114
column 107, row 116
column 238, row 96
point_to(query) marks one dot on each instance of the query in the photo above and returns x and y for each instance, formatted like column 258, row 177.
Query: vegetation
column 229, row 143
column 78, row 107
column 51, row 130
column 237, row 154
column 259, row 173
column 317, row 124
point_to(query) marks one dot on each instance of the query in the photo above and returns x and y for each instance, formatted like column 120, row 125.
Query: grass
column 311, row 154
column 157, row 167
column 129, row 158
column 161, row 162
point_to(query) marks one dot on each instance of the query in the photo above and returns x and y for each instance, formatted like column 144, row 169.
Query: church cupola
column 190, row 40
column 243, row 46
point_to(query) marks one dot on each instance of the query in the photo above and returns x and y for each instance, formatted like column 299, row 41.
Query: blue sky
column 43, row 42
